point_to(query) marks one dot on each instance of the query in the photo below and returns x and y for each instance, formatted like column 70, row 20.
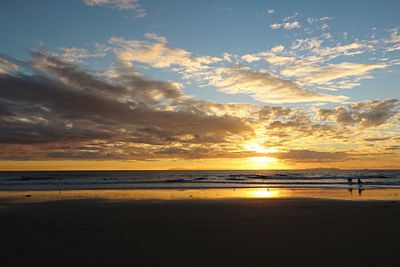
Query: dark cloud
column 4, row 111
column 127, row 83
column 62, row 103
column 367, row 114
column 394, row 147
column 301, row 125
column 268, row 113
column 376, row 139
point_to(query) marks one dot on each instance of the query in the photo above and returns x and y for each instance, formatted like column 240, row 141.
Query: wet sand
column 236, row 232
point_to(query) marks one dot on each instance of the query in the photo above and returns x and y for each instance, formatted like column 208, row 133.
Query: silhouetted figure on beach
column 350, row 180
column 360, row 189
column 360, row 186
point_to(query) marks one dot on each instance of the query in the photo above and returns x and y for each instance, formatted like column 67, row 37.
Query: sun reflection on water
column 263, row 193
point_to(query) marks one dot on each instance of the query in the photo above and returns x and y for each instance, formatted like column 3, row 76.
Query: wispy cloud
column 266, row 87
column 311, row 62
column 286, row 25
column 75, row 54
column 260, row 85
column 133, row 5
column 313, row 20
column 156, row 52
column 289, row 23
column 7, row 67
column 315, row 74
column 393, row 42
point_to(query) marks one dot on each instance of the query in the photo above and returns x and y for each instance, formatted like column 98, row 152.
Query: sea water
column 32, row 180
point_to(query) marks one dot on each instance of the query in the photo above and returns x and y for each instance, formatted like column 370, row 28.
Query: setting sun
column 262, row 163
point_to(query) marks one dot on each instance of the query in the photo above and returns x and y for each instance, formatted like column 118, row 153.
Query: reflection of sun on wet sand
column 264, row 193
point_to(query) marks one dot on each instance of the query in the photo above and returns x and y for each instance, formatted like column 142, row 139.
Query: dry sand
column 247, row 232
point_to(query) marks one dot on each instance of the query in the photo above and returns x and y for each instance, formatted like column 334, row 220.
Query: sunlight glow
column 260, row 149
column 264, row 192
column 261, row 160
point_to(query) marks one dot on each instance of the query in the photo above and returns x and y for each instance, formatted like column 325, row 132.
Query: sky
column 136, row 84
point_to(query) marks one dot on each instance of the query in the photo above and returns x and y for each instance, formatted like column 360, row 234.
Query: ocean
column 36, row 180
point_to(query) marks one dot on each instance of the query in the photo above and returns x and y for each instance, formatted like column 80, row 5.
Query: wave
column 132, row 179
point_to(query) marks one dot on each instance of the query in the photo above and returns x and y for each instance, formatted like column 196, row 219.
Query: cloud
column 286, row 25
column 313, row 70
column 158, row 54
column 265, row 87
column 280, row 60
column 393, row 148
column 394, row 36
column 53, row 108
column 309, row 63
column 315, row 74
column 61, row 104
column 300, row 125
column 366, row 114
column 62, row 111
column 304, row 63
column 377, row 139
column 312, row 20
column 393, row 42
column 329, row 53
column 277, row 49
column 250, row 58
column 7, row 67
column 74, row 54
column 121, row 5
column 155, row 53
column 270, row 11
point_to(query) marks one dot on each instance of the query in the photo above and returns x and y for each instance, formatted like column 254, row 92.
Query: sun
column 263, row 161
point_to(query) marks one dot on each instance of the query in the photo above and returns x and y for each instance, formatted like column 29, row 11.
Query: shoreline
column 167, row 194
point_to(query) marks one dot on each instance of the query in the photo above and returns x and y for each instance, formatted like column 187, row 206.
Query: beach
column 200, row 133
column 264, row 231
